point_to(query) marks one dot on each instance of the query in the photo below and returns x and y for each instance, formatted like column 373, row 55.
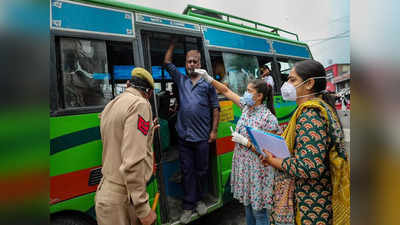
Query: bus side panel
column 85, row 203
column 75, row 157
column 225, row 163
column 75, row 163
column 229, row 115
column 284, row 110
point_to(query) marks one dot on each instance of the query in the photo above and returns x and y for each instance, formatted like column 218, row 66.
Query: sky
column 323, row 24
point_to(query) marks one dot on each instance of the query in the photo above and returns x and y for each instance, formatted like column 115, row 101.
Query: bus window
column 120, row 60
column 283, row 67
column 218, row 68
column 84, row 72
column 240, row 69
column 236, row 70
column 266, row 62
column 159, row 43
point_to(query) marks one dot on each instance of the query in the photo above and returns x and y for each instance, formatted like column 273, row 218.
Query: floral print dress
column 310, row 167
column 252, row 182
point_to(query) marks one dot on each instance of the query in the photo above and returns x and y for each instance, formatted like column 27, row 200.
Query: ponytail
column 326, row 97
column 270, row 99
column 267, row 92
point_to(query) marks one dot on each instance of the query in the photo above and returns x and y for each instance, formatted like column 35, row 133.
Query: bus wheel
column 71, row 220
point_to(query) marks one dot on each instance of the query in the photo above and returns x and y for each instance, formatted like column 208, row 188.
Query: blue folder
column 271, row 142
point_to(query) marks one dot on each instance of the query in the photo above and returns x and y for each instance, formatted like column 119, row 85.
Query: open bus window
column 84, row 71
column 121, row 73
column 270, row 77
column 120, row 58
column 218, row 68
column 156, row 45
column 240, row 69
column 284, row 65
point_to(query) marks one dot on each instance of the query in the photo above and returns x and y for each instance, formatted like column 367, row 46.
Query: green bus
column 94, row 46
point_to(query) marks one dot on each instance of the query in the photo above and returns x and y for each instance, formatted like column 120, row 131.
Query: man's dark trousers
column 194, row 165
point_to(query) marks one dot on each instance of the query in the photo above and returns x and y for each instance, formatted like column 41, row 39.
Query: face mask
column 289, row 90
column 247, row 99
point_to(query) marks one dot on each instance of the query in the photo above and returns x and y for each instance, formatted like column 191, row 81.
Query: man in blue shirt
column 196, row 126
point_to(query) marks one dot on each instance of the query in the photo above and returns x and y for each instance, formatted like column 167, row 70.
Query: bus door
column 155, row 40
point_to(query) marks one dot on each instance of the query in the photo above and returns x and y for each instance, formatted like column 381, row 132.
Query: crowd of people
column 311, row 186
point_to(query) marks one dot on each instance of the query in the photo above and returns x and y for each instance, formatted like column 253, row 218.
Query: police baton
column 153, row 207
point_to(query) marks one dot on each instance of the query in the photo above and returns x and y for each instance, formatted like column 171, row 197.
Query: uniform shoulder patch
column 143, row 125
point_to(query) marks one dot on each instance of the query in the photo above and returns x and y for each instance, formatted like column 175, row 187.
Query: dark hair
column 140, row 83
column 310, row 68
column 265, row 67
column 266, row 90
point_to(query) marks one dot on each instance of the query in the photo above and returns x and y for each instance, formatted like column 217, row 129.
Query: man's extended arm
column 170, row 52
column 220, row 87
column 171, row 68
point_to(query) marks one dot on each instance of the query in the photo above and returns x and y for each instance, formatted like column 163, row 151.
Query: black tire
column 71, row 220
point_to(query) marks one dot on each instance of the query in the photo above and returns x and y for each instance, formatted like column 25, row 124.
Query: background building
column 339, row 83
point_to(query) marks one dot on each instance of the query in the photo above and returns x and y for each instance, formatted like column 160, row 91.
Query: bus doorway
column 155, row 45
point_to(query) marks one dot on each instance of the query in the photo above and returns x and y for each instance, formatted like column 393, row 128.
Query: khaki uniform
column 126, row 132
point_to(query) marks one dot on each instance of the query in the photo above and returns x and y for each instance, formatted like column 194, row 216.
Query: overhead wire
column 337, row 36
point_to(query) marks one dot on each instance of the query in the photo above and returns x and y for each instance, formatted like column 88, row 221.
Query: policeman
column 127, row 130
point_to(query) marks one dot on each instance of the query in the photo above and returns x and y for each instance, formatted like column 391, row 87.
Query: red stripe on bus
column 23, row 186
column 70, row 185
column 225, row 145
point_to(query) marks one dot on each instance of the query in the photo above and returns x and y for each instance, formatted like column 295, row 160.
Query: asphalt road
column 230, row 214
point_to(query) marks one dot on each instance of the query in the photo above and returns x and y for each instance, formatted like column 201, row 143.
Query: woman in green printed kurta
column 317, row 136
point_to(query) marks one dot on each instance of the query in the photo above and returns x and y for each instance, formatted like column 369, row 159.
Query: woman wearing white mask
column 251, row 182
column 319, row 162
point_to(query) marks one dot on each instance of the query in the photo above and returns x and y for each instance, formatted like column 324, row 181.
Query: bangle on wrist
column 249, row 145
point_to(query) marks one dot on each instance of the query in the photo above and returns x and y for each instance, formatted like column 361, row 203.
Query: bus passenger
column 251, row 181
column 219, row 70
column 318, row 160
column 196, row 125
column 266, row 75
column 127, row 130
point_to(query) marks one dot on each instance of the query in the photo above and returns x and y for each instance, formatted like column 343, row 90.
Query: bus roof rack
column 209, row 14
